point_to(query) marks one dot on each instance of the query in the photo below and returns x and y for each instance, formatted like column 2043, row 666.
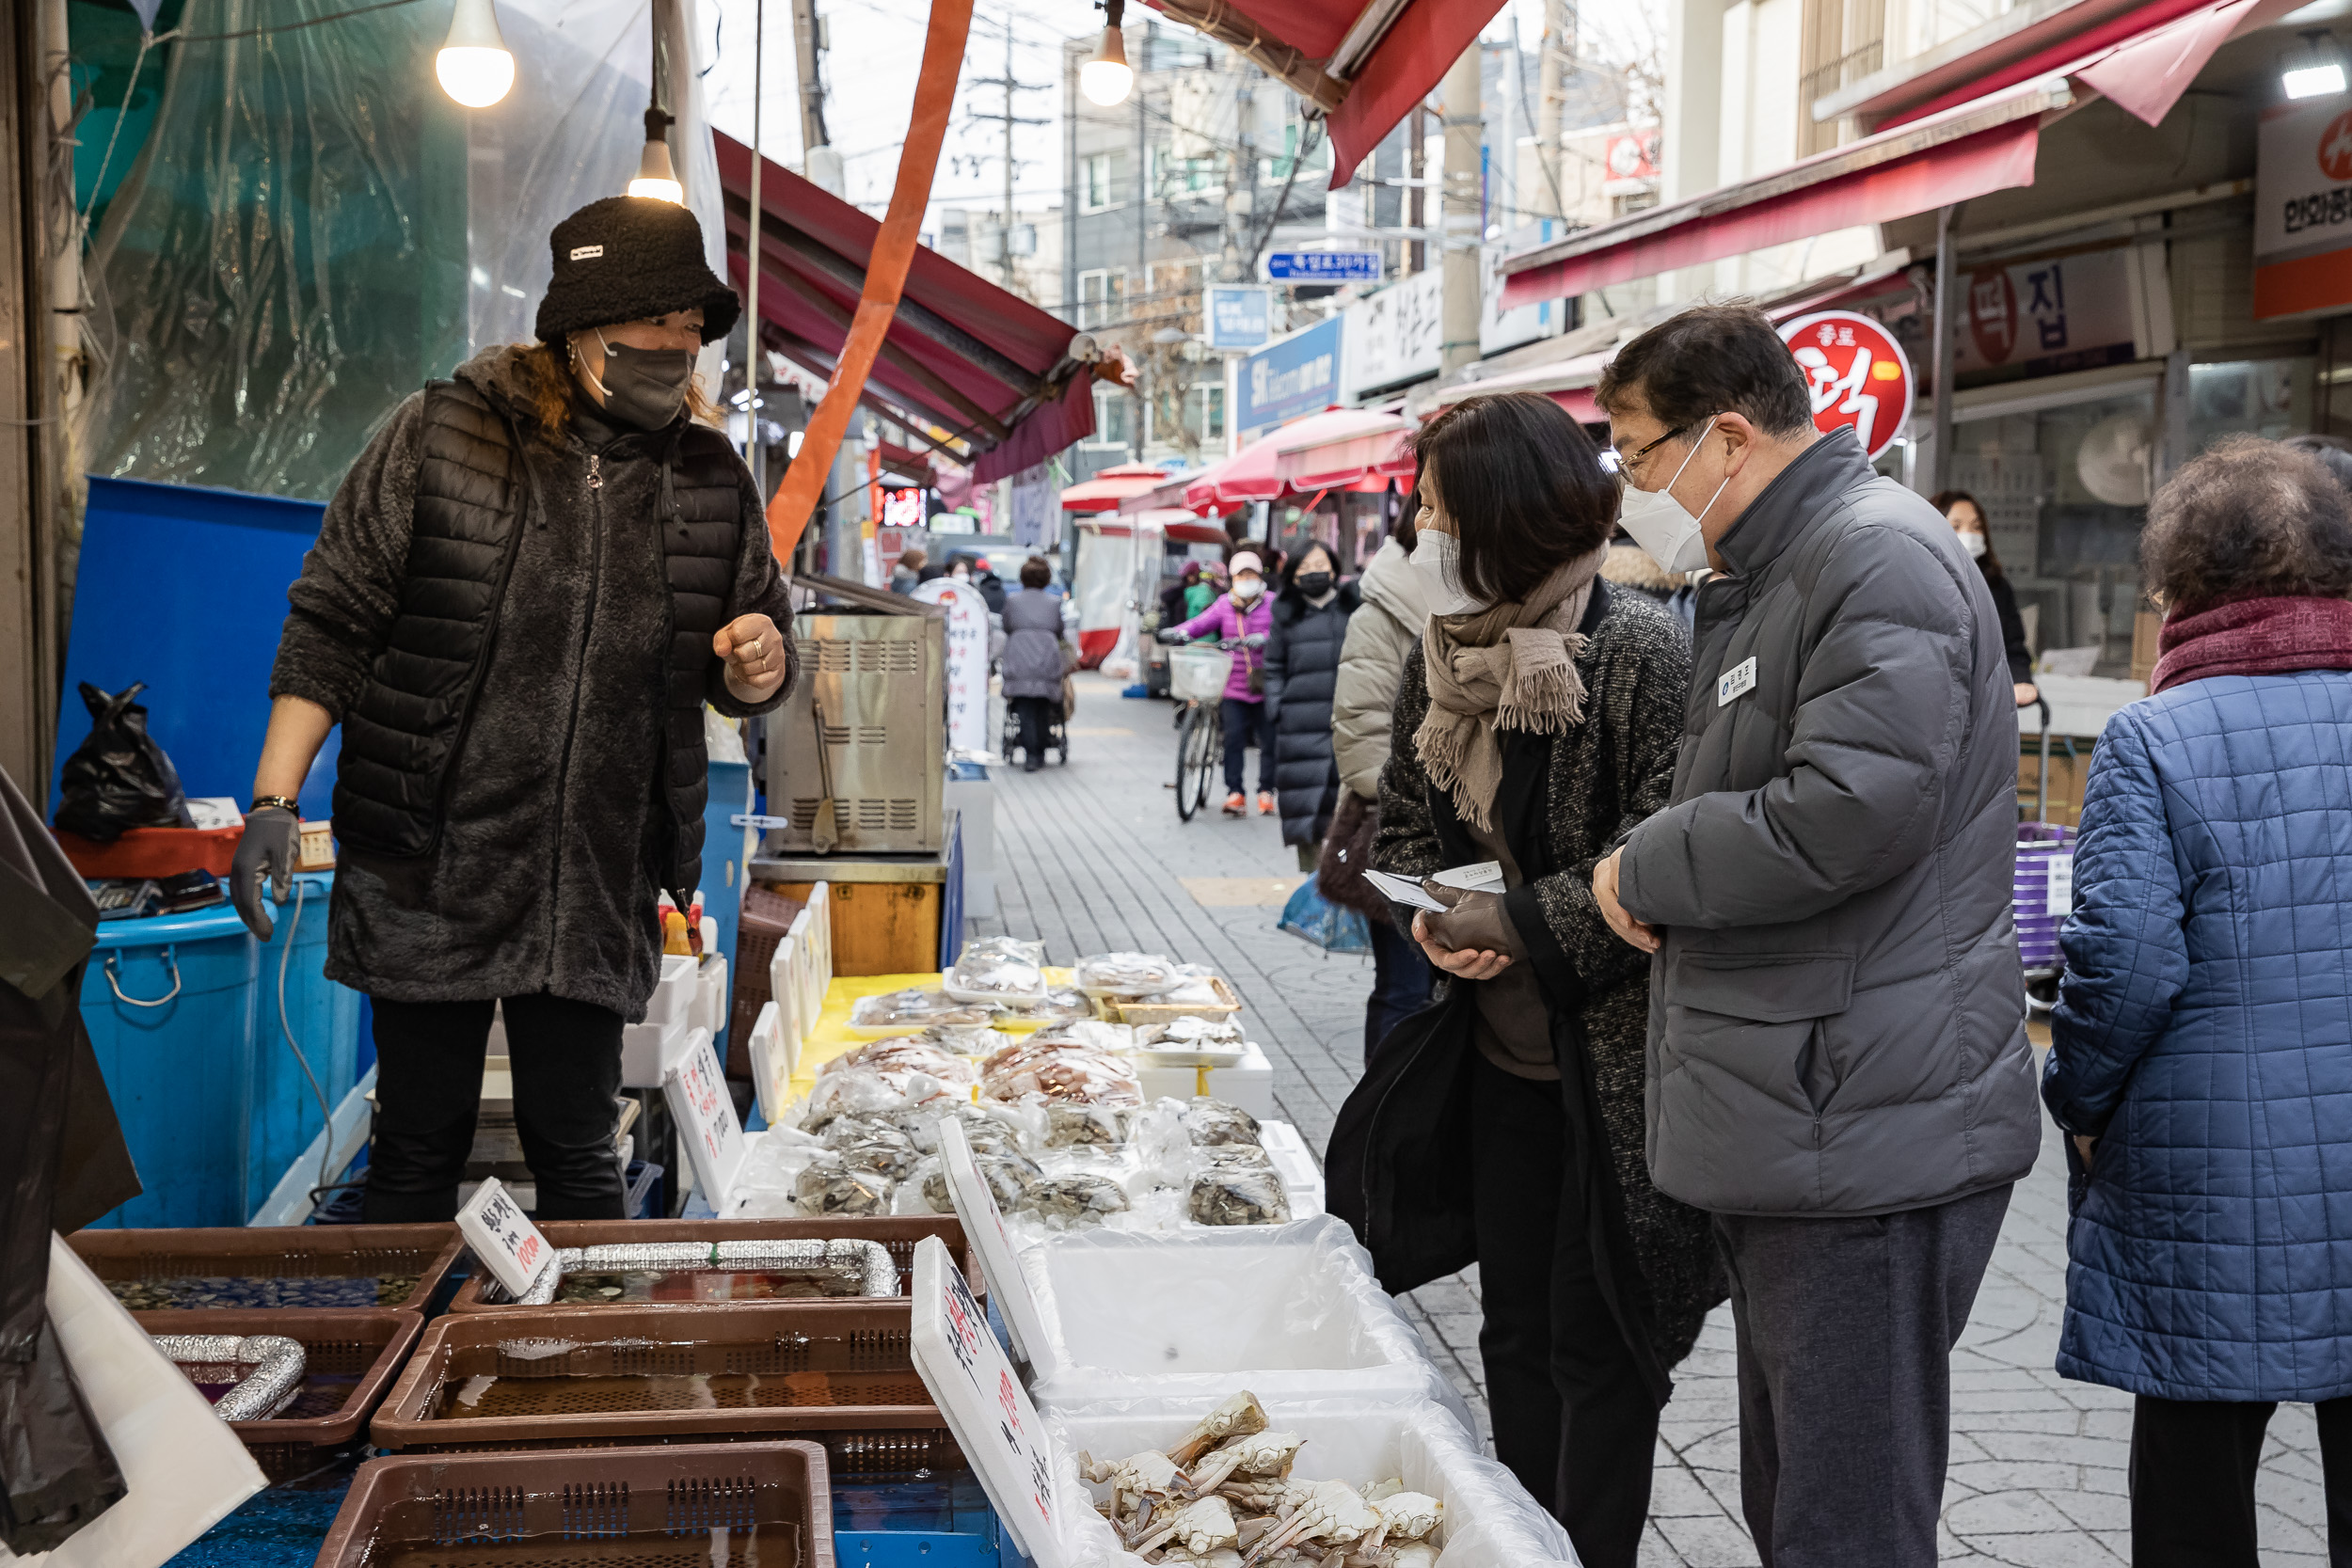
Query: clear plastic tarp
column 313, row 229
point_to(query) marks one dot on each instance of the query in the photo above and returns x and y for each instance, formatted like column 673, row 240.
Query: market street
column 1092, row 856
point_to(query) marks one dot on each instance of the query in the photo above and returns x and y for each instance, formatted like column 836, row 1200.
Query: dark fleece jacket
column 545, row 876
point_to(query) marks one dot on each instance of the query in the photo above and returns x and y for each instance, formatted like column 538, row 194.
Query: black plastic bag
column 118, row 778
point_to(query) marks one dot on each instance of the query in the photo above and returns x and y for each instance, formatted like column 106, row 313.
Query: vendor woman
column 520, row 599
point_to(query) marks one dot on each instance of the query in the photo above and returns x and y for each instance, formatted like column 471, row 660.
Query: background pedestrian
column 1302, row 661
column 1036, row 659
column 1961, row 510
column 1243, row 617
column 2201, row 1048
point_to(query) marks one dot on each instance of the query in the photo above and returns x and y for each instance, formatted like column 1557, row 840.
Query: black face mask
column 645, row 386
column 1314, row 584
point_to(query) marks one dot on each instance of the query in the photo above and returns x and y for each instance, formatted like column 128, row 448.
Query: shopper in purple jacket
column 1241, row 615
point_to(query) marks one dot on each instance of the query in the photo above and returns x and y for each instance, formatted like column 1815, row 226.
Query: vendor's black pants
column 1572, row 1417
column 2192, row 1481
column 567, row 1062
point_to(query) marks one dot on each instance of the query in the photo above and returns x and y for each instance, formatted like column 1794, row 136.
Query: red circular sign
column 2335, row 148
column 1856, row 373
column 1991, row 307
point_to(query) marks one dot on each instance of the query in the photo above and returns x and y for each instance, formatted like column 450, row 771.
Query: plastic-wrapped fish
column 830, row 1187
column 1127, row 975
column 916, row 1008
column 1079, row 1198
column 1231, row 1188
column 1213, row 1123
column 998, row 969
column 1069, row 1124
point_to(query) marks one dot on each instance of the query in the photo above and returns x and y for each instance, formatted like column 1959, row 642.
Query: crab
column 1412, row 1554
column 1202, row 1527
column 1334, row 1514
column 1149, row 1477
column 1238, row 1417
column 1267, row 1496
column 1261, row 1454
column 1408, row 1516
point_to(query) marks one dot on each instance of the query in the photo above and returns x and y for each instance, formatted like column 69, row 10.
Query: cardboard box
column 2067, row 775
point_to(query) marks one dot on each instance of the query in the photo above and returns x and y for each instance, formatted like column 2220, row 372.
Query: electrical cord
column 326, row 1116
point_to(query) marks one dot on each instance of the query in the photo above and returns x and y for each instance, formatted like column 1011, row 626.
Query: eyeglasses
column 1621, row 464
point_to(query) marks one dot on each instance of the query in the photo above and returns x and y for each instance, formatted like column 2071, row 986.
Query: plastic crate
column 553, row 1377
column 899, row 1232
column 351, row 1358
column 1149, row 1011
column 690, row 1502
column 933, row 1519
column 407, row 1261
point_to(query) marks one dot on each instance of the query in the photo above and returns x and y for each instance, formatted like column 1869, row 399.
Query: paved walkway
column 1092, row 857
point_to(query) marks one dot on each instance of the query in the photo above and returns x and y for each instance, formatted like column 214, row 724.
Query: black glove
column 1170, row 635
column 1255, row 640
column 272, row 836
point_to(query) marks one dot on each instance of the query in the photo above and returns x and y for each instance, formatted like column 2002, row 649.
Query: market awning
column 1365, row 63
column 904, row 463
column 1342, row 458
column 982, row 375
column 1252, row 474
column 1109, row 486
column 1988, row 145
column 2141, row 52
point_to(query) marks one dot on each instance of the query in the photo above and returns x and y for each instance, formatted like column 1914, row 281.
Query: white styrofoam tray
column 1489, row 1520
column 1248, row 1085
column 1290, row 1310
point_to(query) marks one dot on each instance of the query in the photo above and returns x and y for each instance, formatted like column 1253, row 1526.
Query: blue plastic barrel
column 169, row 1005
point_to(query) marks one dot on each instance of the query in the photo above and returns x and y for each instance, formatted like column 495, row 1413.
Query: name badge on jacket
column 1737, row 680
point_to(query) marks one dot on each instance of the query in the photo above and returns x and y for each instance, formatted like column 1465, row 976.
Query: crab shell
column 1267, row 1495
column 1260, row 1453
column 1410, row 1515
column 1413, row 1554
column 1238, row 1417
column 1203, row 1527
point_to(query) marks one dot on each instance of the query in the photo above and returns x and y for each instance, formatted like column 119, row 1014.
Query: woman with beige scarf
column 1502, row 1124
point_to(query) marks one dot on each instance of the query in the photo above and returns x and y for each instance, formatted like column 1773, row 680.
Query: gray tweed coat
column 1604, row 776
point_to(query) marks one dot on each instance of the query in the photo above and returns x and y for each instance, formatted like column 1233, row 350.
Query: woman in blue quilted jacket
column 2202, row 1054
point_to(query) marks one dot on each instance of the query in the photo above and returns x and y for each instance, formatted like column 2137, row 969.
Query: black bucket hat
column 628, row 258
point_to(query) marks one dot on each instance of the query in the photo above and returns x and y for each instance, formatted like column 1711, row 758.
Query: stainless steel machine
column 865, row 727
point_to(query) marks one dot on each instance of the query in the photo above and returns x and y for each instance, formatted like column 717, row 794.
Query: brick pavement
column 1092, row 857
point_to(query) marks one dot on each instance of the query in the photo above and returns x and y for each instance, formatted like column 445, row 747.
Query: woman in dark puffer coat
column 1302, row 665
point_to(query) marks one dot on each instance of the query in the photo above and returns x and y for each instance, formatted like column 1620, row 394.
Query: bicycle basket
column 1198, row 672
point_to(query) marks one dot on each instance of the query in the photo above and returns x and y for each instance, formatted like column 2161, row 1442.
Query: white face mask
column 1663, row 525
column 1438, row 558
column 1247, row 589
column 1974, row 543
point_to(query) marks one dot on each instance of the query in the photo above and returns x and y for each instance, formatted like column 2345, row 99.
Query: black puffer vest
column 409, row 720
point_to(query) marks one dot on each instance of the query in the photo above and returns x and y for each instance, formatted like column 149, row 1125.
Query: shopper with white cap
column 1242, row 616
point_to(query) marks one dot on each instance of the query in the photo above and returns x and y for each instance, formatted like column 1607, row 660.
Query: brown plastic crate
column 900, row 1233
column 766, row 920
column 426, row 1252
column 601, row 1509
column 640, row 1374
column 1148, row 1011
column 352, row 1355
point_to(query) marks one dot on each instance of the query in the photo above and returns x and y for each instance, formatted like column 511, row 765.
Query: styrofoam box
column 650, row 1050
column 1248, row 1083
column 1489, row 1520
column 674, row 993
column 709, row 1010
column 1290, row 1310
column 1302, row 1178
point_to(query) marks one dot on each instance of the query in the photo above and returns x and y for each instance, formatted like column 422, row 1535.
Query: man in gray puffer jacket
column 1838, row 1059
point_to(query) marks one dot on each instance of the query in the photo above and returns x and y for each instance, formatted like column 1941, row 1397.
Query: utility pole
column 1558, row 49
column 1011, row 86
column 1461, row 207
column 819, row 160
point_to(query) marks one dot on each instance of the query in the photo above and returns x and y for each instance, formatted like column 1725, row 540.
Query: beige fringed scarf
column 1512, row 668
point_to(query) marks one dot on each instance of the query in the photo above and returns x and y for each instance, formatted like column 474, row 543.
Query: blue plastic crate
column 925, row 1520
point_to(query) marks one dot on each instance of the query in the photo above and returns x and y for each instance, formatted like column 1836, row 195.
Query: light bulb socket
column 474, row 24
column 1112, row 49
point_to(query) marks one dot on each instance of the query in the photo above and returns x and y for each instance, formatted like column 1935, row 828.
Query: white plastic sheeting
column 1290, row 1310
column 1489, row 1521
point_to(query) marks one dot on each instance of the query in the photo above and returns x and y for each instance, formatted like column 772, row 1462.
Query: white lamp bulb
column 474, row 66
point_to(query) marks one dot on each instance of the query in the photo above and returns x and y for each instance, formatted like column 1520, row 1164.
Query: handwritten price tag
column 984, row 1223
column 993, row 1421
column 502, row 1236
column 705, row 1119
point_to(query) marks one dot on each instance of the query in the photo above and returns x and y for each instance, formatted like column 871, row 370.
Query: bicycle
column 1197, row 675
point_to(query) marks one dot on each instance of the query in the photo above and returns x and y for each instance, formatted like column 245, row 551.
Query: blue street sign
column 1323, row 266
column 1240, row 315
column 1297, row 374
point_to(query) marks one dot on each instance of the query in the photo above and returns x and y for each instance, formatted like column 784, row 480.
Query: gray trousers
column 1846, row 1328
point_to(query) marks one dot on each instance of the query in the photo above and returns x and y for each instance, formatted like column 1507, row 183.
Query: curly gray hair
column 2245, row 519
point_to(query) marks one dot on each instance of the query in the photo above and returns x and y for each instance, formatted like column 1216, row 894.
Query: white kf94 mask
column 1437, row 560
column 1663, row 525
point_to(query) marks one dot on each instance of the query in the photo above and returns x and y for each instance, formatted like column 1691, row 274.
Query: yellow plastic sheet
column 833, row 1035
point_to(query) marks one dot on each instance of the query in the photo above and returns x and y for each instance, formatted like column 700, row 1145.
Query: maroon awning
column 1365, row 65
column 1008, row 383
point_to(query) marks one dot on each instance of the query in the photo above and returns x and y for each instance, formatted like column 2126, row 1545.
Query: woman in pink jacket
column 1241, row 615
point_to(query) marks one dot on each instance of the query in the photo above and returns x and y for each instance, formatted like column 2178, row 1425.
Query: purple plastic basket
column 2039, row 845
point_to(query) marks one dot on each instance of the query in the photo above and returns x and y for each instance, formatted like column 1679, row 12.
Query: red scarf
column 2254, row 637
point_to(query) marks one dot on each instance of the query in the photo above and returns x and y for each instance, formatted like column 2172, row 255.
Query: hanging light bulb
column 656, row 177
column 1107, row 79
column 473, row 65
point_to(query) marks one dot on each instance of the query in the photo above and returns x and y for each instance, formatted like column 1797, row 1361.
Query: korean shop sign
column 1856, row 373
column 2303, row 208
column 2044, row 317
